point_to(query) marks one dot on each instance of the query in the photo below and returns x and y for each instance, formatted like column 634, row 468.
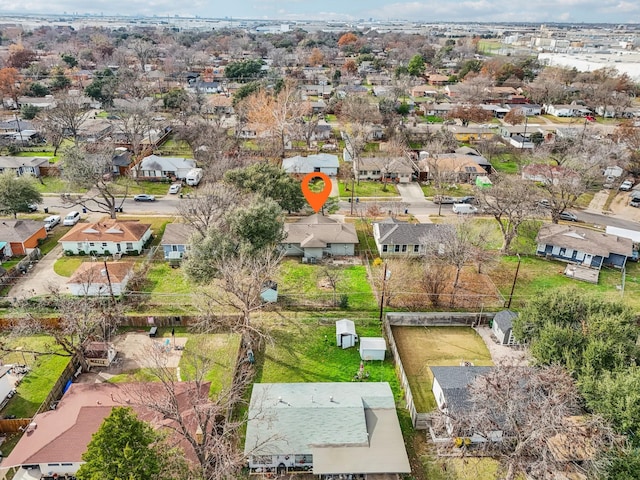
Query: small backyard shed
column 346, row 333
column 372, row 348
column 502, row 327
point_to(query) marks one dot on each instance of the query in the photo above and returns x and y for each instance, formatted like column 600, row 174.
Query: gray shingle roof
column 584, row 240
column 504, row 319
column 177, row 234
column 12, row 230
column 300, row 416
column 455, row 381
column 300, row 164
column 318, row 231
column 399, row 233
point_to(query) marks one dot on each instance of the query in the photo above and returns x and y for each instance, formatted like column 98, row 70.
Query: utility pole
column 515, row 278
column 106, row 271
column 353, row 187
column 385, row 276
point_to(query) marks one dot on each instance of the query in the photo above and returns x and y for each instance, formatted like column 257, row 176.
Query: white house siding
column 101, row 248
column 438, row 393
column 313, row 252
column 340, row 249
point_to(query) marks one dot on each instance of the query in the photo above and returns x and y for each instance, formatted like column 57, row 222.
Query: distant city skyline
column 541, row 11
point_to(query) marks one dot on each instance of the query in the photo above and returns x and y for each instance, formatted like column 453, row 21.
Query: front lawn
column 506, row 163
column 54, row 185
column 453, row 190
column 368, row 189
column 422, row 347
column 301, row 284
column 45, row 371
column 66, row 266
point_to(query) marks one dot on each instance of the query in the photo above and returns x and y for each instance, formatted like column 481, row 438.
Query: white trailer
column 194, row 176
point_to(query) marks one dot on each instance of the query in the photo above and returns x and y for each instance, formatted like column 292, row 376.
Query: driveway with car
column 40, row 279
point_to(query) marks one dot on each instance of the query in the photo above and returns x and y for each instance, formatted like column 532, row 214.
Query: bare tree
column 144, row 51
column 81, row 320
column 91, row 170
column 474, row 89
column 333, row 277
column 530, row 418
column 509, row 202
column 561, row 186
column 70, row 113
column 242, row 275
column 436, row 276
column 208, row 206
column 274, row 114
column 135, row 123
column 210, row 427
column 452, row 245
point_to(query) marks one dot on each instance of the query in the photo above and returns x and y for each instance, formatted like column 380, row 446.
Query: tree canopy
column 17, row 193
column 244, row 71
column 121, row 449
column 270, row 181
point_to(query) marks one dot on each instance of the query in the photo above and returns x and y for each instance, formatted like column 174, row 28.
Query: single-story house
column 502, row 327
column 56, row 439
column 99, row 354
column 528, row 109
column 106, row 237
column 613, row 171
column 378, row 168
column 23, row 165
column 326, row 163
column 347, row 428
column 16, row 125
column 456, row 167
column 451, row 388
column 549, row 174
column 346, row 335
column 469, row 134
column 100, row 278
column 20, row 236
column 372, row 348
column 566, row 110
column 156, row 167
column 394, row 237
column 436, row 109
column 94, row 129
column 175, row 240
column 584, row 248
column 477, row 157
column 317, row 235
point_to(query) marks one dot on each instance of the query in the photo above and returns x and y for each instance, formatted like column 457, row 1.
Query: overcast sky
column 606, row 11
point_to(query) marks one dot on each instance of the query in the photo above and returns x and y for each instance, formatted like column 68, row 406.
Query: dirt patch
column 503, row 354
column 134, row 353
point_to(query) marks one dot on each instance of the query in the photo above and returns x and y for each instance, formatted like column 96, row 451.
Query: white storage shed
column 346, row 333
column 372, row 348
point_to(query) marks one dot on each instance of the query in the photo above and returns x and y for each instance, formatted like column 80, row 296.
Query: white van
column 71, row 219
column 464, row 208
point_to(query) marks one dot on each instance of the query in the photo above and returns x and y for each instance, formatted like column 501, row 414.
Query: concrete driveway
column 40, row 278
column 411, row 193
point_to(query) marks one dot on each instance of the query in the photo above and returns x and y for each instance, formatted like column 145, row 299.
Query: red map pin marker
column 316, row 199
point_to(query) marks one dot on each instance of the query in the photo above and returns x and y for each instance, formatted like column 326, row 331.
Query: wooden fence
column 422, row 420
column 13, row 425
column 56, row 392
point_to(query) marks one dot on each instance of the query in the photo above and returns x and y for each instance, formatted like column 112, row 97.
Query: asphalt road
column 419, row 207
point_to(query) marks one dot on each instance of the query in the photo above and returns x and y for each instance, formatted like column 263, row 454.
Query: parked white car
column 51, row 221
column 71, row 219
column 175, row 188
column 626, row 186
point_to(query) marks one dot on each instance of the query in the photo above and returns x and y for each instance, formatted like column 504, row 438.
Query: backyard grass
column 220, row 351
column 170, row 283
column 307, row 352
column 368, row 189
column 300, row 284
column 538, row 274
column 422, row 347
column 506, row 163
column 175, row 148
column 45, row 371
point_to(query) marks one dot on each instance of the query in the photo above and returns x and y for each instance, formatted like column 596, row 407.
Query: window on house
column 92, row 244
column 328, row 245
column 396, row 248
column 416, row 248
column 104, row 244
column 129, row 246
column 384, row 248
column 80, row 245
column 404, row 248
column 316, row 169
